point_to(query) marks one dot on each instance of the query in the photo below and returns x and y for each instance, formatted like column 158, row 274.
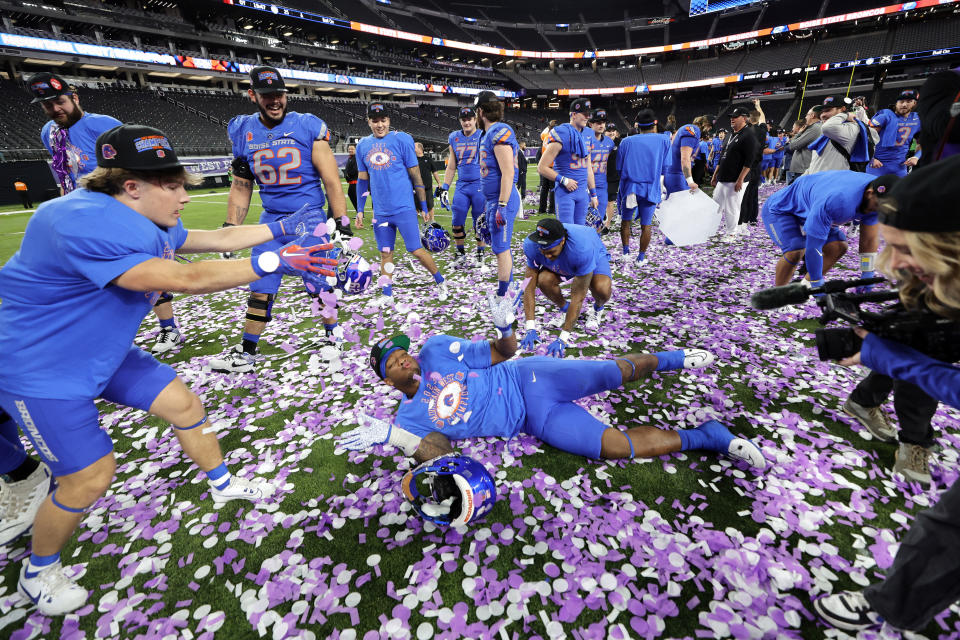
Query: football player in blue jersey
column 566, row 161
column 287, row 154
column 640, row 161
column 69, row 136
column 389, row 170
column 678, row 170
column 897, row 129
column 804, row 220
column 463, row 158
column 498, row 181
column 599, row 146
column 558, row 251
column 455, row 389
column 90, row 267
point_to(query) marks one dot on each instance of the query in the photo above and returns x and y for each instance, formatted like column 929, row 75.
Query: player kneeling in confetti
column 458, row 389
column 90, row 267
column 556, row 251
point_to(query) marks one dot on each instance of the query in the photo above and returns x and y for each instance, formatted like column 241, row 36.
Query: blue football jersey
column 386, row 160
column 687, row 136
column 896, row 133
column 582, row 252
column 781, row 142
column 461, row 394
column 281, row 159
column 498, row 133
column 640, row 160
column 572, row 161
column 823, row 200
column 466, row 150
column 599, row 154
column 81, row 141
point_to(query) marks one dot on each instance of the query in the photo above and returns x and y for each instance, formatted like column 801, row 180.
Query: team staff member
column 555, row 252
column 750, row 204
column 640, row 160
column 463, row 159
column 288, row 155
column 498, row 181
column 426, row 175
column 522, row 168
column 844, row 137
column 350, row 174
column 804, row 220
column 534, row 395
column 678, row 172
column 389, row 168
column 566, row 161
column 923, row 253
column 547, row 200
column 897, row 129
column 88, row 270
column 742, row 147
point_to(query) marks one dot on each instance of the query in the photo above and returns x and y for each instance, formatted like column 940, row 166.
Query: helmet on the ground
column 450, row 490
column 480, row 228
column 594, row 219
column 435, row 238
column 354, row 274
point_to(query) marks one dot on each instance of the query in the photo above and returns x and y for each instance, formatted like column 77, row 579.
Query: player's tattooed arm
column 238, row 201
column 326, row 165
column 434, row 444
column 578, row 291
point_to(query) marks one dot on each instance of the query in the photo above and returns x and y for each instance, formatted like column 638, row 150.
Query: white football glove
column 370, row 432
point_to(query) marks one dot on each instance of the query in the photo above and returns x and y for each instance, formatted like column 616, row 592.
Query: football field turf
column 685, row 545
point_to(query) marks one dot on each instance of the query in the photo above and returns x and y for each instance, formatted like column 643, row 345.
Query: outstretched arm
column 432, row 445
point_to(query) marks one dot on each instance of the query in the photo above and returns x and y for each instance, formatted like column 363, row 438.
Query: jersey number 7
column 267, row 175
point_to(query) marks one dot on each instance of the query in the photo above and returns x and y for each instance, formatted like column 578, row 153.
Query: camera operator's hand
column 855, row 358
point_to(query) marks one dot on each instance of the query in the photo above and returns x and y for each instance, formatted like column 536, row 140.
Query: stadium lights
column 248, row 26
column 287, row 34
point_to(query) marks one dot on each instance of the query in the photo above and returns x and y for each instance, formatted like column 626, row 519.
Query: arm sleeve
column 814, row 258
column 101, row 255
column 939, row 379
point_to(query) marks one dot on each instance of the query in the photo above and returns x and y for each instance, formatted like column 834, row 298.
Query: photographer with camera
column 922, row 230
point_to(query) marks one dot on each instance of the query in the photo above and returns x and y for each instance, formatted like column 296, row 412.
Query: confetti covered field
column 686, row 545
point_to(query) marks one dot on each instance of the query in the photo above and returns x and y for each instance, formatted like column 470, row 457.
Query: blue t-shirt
column 704, row 149
column 640, row 160
column 781, row 146
column 281, row 159
column 498, row 133
column 461, row 395
column 687, row 136
column 599, row 154
column 386, row 160
column 466, row 151
column 896, row 133
column 581, row 253
column 823, row 200
column 716, row 144
column 81, row 141
column 64, row 329
column 573, row 159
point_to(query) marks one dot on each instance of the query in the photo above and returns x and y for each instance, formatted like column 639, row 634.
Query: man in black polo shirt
column 729, row 178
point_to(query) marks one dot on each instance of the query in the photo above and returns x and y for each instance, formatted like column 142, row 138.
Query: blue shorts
column 550, row 385
column 67, row 433
column 500, row 238
column 895, row 167
column 467, row 197
column 674, row 182
column 571, row 206
column 786, row 231
column 385, row 231
column 643, row 211
column 766, row 163
column 12, row 453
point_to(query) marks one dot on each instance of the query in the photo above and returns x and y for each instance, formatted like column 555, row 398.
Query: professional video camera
column 920, row 329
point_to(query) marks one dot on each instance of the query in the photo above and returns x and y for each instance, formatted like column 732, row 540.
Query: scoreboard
column 700, row 7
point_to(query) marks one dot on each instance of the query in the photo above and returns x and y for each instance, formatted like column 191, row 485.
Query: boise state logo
column 108, row 152
column 542, row 231
column 380, row 157
column 447, row 399
column 39, row 86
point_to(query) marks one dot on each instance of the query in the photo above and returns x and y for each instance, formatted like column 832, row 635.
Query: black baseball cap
column 836, row 102
column 645, row 118
column 267, row 80
column 548, row 233
column 611, row 126
column 377, row 110
column 136, row 147
column 484, row 97
column 926, row 200
column 580, row 105
column 883, row 184
column 47, row 86
column 909, row 94
column 736, row 112
column 598, row 115
column 467, row 113
column 382, row 350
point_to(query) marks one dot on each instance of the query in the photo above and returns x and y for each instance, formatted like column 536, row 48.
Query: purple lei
column 59, row 139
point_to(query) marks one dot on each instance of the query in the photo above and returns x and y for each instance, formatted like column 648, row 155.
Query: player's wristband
column 276, row 228
column 423, row 206
column 363, row 191
column 403, row 440
column 265, row 264
column 562, row 181
column 691, row 182
column 445, row 187
column 227, row 224
column 502, row 204
column 565, row 337
column 530, row 325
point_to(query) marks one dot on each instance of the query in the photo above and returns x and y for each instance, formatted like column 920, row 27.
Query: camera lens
column 836, row 344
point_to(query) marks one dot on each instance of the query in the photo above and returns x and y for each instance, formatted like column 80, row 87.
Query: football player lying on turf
column 458, row 389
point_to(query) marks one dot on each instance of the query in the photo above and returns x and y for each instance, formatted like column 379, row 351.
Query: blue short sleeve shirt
column 386, row 161
column 581, row 253
column 81, row 141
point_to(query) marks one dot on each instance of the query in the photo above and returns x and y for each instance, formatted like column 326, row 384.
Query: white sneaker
column 383, row 301
column 235, row 360
column 593, row 319
column 745, row 450
column 444, row 292
column 254, row 490
column 51, row 590
column 167, row 340
column 640, row 263
column 697, row 358
column 730, row 237
column 15, row 516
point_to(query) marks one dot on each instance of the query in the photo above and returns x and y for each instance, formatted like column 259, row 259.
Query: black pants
column 25, row 199
column 923, row 580
column 522, row 185
column 750, row 206
column 546, row 195
column 352, row 194
column 913, row 406
column 699, row 170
